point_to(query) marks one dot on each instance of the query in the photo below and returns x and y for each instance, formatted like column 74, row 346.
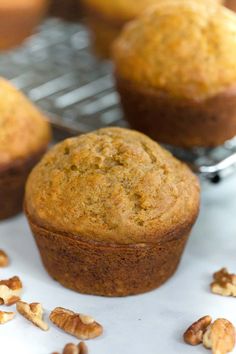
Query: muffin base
column 108, row 269
column 176, row 121
column 12, row 184
column 103, row 32
column 16, row 26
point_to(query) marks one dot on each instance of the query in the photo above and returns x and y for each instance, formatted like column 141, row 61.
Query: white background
column 147, row 324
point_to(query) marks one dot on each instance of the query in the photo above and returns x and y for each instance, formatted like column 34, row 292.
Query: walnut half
column 78, row 325
column 220, row 337
column 81, row 348
column 32, row 312
column 10, row 291
column 224, row 283
column 194, row 334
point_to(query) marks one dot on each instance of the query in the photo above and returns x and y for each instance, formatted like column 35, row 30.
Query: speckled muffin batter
column 186, row 53
column 24, row 136
column 119, row 194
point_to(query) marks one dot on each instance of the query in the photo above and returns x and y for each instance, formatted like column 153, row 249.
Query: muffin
column 24, row 136
column 106, row 19
column 176, row 74
column 69, row 10
column 18, row 20
column 111, row 212
column 231, row 4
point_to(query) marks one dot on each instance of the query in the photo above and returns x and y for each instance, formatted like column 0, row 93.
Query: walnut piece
column 32, row 312
column 194, row 334
column 10, row 291
column 224, row 283
column 220, row 337
column 4, row 260
column 81, row 348
column 6, row 316
column 80, row 326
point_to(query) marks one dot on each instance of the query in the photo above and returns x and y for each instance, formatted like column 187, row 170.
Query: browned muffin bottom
column 208, row 122
column 69, row 10
column 12, row 184
column 109, row 269
column 18, row 21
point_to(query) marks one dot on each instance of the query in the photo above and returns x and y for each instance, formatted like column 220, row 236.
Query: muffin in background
column 24, row 136
column 18, row 20
column 231, row 4
column 106, row 19
column 176, row 74
column 69, row 10
column 111, row 212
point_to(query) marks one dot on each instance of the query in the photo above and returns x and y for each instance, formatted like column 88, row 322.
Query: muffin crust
column 103, row 184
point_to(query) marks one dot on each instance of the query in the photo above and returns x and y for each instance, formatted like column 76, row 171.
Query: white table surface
column 146, row 324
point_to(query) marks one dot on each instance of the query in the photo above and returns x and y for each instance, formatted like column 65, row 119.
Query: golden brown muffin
column 106, row 19
column 18, row 20
column 176, row 73
column 111, row 212
column 24, row 136
column 69, row 10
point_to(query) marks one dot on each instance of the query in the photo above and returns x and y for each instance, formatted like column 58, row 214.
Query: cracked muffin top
column 113, row 184
column 184, row 48
column 23, row 128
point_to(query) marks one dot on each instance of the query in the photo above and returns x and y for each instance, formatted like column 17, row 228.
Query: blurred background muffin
column 176, row 73
column 231, row 4
column 111, row 212
column 69, row 10
column 18, row 20
column 106, row 19
column 24, row 137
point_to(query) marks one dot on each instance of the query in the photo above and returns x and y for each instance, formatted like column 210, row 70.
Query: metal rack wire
column 56, row 69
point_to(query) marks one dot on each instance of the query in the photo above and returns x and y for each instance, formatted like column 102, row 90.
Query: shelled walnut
column 32, row 312
column 224, row 283
column 10, row 291
column 4, row 259
column 6, row 316
column 194, row 334
column 78, row 325
column 220, row 337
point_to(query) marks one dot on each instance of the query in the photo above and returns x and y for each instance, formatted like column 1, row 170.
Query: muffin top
column 125, row 10
column 23, row 129
column 114, row 185
column 184, row 48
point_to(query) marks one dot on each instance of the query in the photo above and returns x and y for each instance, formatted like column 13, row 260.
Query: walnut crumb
column 4, row 259
column 220, row 337
column 32, row 312
column 194, row 334
column 10, row 291
column 6, row 316
column 224, row 283
column 80, row 326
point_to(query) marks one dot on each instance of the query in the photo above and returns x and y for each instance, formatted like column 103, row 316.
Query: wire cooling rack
column 57, row 70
